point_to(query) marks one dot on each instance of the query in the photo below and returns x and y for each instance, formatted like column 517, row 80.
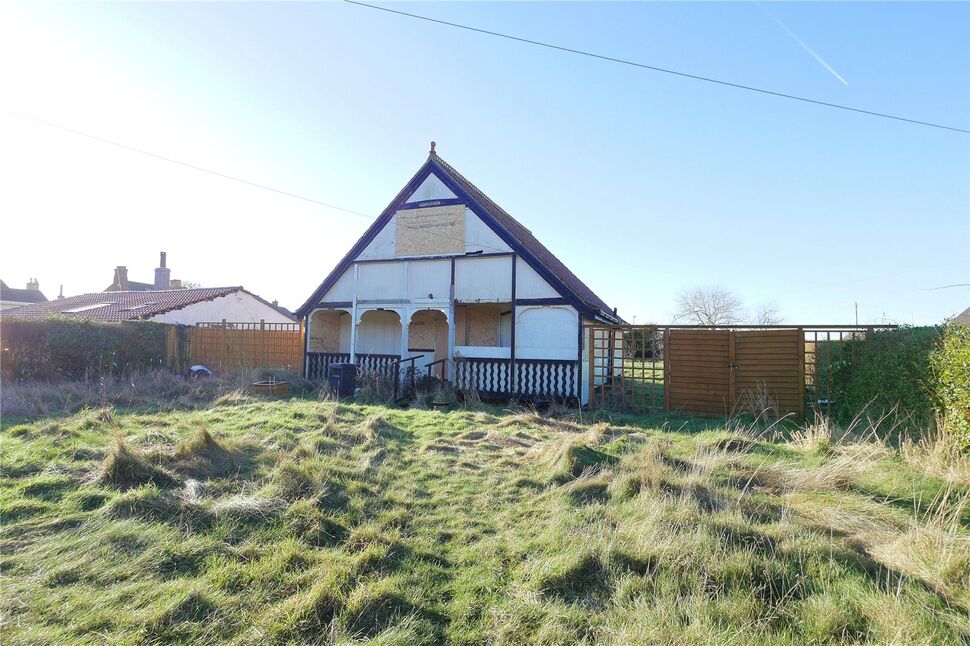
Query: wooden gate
column 720, row 372
column 771, row 370
column 698, row 372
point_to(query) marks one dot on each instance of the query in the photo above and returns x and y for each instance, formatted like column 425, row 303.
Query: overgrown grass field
column 301, row 521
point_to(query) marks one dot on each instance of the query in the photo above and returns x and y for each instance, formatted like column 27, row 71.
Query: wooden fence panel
column 725, row 370
column 228, row 346
column 699, row 372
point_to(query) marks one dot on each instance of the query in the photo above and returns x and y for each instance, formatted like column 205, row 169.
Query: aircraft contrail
column 804, row 46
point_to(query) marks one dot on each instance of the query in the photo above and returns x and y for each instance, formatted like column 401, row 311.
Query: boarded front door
column 698, row 372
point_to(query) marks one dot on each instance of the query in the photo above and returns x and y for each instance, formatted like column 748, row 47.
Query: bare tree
column 767, row 313
column 708, row 306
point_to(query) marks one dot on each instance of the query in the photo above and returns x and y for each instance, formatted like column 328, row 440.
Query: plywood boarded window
column 434, row 230
column 486, row 325
column 329, row 331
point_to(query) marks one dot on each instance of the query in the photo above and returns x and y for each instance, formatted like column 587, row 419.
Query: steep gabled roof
column 504, row 225
column 15, row 295
column 121, row 306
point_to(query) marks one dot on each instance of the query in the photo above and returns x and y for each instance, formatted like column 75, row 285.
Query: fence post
column 801, row 370
column 666, row 343
column 224, row 352
column 262, row 343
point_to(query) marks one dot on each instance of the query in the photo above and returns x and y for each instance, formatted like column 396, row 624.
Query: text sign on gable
column 434, row 230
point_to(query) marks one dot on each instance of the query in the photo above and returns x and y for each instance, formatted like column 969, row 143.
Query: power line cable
column 930, row 289
column 217, row 173
column 185, row 164
column 654, row 68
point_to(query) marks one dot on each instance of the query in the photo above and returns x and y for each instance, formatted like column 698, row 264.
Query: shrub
column 951, row 381
column 890, row 370
column 58, row 347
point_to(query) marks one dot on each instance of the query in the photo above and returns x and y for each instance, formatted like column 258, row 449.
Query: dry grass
column 938, row 452
column 160, row 389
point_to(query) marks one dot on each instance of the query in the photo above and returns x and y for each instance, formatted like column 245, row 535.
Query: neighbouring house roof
column 122, row 306
column 511, row 230
column 962, row 318
column 14, row 295
column 133, row 286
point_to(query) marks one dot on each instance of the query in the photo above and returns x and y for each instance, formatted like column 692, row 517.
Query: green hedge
column 951, row 377
column 891, row 368
column 59, row 347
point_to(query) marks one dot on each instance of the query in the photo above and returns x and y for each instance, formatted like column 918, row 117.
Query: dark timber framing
column 512, row 379
column 456, row 256
column 431, row 166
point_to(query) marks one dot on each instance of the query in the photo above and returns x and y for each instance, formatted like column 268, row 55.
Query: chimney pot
column 161, row 260
column 33, row 285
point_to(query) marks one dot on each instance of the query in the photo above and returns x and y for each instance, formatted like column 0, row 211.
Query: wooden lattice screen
column 226, row 346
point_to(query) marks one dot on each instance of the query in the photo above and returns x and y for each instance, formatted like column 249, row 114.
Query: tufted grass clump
column 126, row 467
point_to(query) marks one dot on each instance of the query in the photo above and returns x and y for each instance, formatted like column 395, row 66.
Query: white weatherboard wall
column 380, row 281
column 479, row 237
column 431, row 188
column 238, row 307
column 379, row 332
column 546, row 332
column 529, row 284
column 429, row 277
column 342, row 290
column 483, row 280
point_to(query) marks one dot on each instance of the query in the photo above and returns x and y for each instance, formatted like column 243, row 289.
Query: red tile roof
column 121, row 306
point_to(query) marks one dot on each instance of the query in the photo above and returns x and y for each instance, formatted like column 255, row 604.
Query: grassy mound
column 125, row 468
column 570, row 458
column 204, row 457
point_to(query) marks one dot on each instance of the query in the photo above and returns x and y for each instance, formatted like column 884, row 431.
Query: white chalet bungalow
column 446, row 275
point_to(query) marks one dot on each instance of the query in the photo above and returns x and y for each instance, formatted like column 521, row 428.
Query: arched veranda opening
column 428, row 336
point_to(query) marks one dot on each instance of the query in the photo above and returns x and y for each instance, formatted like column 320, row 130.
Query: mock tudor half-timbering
column 445, row 273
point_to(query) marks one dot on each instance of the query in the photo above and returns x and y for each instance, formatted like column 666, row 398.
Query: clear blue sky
column 644, row 184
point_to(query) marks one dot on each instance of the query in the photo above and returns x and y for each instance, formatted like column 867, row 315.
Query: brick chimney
column 33, row 285
column 121, row 278
column 163, row 275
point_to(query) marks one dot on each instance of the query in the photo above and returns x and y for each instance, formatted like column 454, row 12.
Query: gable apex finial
column 432, row 152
